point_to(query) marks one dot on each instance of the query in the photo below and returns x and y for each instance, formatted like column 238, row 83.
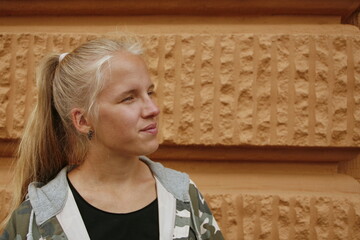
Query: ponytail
column 40, row 153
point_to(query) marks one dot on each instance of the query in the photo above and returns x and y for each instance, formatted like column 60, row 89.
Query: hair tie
column 61, row 57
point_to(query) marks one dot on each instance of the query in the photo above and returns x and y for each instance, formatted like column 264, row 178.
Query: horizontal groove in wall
column 177, row 7
column 255, row 153
column 234, row 153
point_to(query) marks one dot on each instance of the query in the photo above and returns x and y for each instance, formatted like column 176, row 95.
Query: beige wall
column 230, row 89
column 262, row 112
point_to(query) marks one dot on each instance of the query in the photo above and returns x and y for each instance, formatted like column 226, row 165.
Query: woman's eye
column 151, row 93
column 127, row 99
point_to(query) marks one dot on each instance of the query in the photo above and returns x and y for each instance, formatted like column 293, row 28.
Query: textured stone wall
column 253, row 216
column 257, row 89
column 288, row 90
column 258, row 216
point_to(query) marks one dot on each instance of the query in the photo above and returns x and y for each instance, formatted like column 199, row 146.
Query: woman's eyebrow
column 131, row 91
column 151, row 86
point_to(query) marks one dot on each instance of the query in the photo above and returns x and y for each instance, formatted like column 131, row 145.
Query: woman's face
column 127, row 121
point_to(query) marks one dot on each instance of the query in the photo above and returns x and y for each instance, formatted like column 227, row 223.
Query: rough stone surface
column 227, row 89
column 257, row 216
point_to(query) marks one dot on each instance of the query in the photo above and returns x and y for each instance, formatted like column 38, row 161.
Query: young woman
column 81, row 171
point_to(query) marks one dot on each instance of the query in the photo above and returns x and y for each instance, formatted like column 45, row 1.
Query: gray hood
column 48, row 200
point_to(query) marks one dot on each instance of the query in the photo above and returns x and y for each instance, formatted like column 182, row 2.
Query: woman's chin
column 150, row 148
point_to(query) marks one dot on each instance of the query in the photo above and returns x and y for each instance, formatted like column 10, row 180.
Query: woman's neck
column 101, row 180
column 108, row 169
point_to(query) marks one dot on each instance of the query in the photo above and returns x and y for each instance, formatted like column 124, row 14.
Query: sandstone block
column 225, row 89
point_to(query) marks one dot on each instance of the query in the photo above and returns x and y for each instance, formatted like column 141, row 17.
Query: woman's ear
column 80, row 121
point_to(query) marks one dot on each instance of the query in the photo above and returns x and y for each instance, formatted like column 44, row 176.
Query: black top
column 141, row 224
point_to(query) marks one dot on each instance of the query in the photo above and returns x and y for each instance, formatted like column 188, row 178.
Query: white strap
column 71, row 221
column 167, row 210
column 29, row 235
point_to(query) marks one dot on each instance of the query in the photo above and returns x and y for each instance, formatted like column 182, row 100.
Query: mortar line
column 254, row 86
column 273, row 92
column 312, row 92
column 350, row 93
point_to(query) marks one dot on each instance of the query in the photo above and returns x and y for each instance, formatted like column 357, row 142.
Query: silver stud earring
column 90, row 134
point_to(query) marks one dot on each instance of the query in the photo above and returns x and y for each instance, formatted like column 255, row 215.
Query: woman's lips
column 151, row 128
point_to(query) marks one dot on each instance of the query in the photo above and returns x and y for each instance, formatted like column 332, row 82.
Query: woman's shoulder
column 203, row 214
column 18, row 222
column 24, row 208
column 48, row 199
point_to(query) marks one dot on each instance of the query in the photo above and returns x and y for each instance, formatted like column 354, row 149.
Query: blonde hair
column 50, row 141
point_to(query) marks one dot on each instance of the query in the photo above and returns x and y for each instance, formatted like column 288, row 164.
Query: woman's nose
column 150, row 109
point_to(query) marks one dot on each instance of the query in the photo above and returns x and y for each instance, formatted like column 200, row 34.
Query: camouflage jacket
column 50, row 211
